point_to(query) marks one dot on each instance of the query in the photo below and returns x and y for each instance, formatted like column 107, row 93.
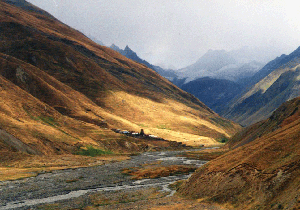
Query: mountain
column 220, row 64
column 60, row 92
column 127, row 52
column 218, row 76
column 262, row 169
column 215, row 93
column 275, row 83
column 207, row 65
column 239, row 73
column 95, row 40
column 28, row 7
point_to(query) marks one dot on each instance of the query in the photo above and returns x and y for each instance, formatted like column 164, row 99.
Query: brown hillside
column 61, row 91
column 263, row 170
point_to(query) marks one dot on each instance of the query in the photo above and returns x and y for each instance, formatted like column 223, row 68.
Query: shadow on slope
column 261, row 171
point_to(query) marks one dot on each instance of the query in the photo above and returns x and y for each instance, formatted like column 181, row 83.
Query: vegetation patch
column 71, row 180
column 142, row 125
column 206, row 155
column 48, row 120
column 163, row 127
column 93, row 152
column 119, row 197
column 176, row 185
column 110, row 200
column 223, row 140
column 33, row 165
column 158, row 171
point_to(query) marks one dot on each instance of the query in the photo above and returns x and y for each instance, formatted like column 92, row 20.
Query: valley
column 61, row 92
column 72, row 188
column 86, row 126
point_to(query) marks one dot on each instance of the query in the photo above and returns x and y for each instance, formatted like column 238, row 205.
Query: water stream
column 52, row 187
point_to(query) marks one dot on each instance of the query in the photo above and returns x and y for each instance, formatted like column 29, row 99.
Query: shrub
column 91, row 151
column 223, row 140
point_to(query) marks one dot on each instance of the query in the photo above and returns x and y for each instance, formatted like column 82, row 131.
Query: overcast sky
column 178, row 32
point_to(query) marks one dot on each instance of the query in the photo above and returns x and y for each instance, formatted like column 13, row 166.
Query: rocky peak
column 127, row 48
column 115, row 47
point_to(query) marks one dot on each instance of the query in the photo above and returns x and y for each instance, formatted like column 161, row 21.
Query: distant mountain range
column 277, row 82
column 220, row 64
column 233, row 85
column 218, row 76
column 127, row 52
column 235, row 66
column 261, row 168
column 243, row 92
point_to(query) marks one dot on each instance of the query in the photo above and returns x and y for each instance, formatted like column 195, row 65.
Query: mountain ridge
column 274, row 84
column 220, row 64
column 62, row 92
column 129, row 53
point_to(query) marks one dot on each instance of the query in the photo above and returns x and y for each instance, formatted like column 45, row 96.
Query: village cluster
column 137, row 135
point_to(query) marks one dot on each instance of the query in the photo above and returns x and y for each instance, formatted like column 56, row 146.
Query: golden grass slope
column 60, row 91
column 263, row 170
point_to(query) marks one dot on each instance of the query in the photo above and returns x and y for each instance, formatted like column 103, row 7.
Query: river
column 68, row 184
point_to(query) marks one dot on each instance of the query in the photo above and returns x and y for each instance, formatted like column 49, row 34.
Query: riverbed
column 65, row 185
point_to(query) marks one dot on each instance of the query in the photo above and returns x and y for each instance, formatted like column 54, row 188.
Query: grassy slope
column 262, row 172
column 267, row 95
column 60, row 90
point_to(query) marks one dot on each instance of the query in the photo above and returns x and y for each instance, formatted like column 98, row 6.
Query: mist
column 175, row 33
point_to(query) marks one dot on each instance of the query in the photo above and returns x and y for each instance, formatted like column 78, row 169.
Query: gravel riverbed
column 64, row 185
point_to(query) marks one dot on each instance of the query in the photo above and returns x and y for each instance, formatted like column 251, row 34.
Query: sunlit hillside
column 60, row 92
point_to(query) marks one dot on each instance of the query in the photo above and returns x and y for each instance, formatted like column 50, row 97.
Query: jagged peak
column 127, row 48
column 115, row 47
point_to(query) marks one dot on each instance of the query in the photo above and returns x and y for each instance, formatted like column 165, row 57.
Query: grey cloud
column 178, row 32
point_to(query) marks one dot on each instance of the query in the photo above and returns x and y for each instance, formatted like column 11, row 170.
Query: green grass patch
column 223, row 139
column 48, row 120
column 29, row 114
column 142, row 125
column 93, row 152
column 163, row 127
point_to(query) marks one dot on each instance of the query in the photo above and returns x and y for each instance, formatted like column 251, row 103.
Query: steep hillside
column 276, row 83
column 261, row 171
column 60, row 91
column 215, row 93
